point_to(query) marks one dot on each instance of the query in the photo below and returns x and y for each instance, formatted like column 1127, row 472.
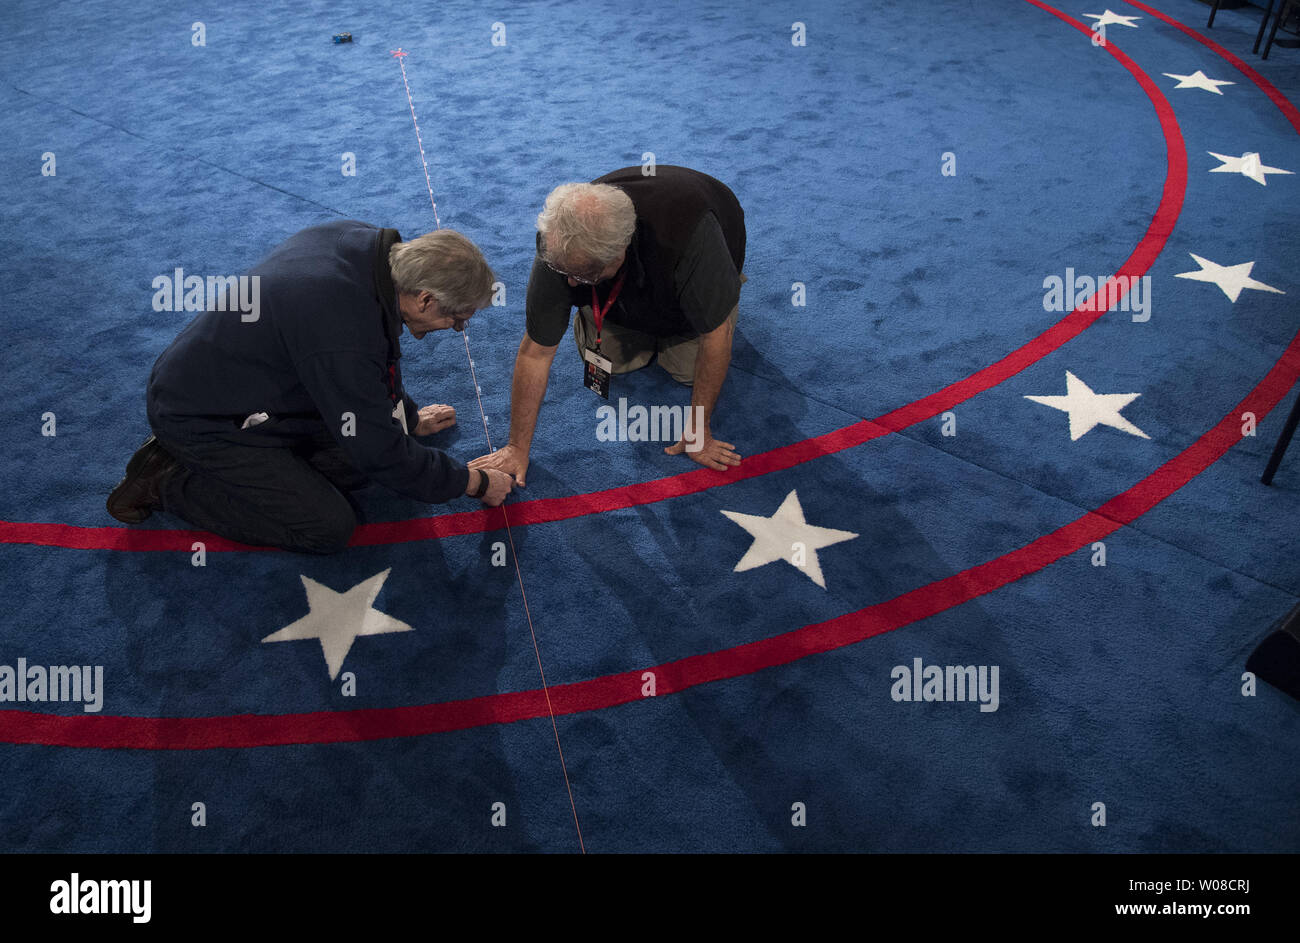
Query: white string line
column 399, row 55
column 478, row 393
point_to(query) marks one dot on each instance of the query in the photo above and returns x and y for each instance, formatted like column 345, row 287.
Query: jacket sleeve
column 349, row 390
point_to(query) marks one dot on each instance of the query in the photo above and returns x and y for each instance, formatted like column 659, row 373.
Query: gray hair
column 586, row 223
column 445, row 264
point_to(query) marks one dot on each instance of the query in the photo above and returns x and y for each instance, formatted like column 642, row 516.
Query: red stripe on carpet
column 548, row 510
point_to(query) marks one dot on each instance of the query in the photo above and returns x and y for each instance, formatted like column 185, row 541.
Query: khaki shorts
column 629, row 349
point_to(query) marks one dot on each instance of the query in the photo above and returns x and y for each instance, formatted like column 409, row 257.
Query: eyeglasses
column 580, row 279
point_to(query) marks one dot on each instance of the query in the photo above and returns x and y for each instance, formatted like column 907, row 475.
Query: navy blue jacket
column 324, row 345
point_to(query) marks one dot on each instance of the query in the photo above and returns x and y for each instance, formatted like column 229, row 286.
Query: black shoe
column 137, row 495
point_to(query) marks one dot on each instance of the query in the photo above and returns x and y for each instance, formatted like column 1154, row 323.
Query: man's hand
column 714, row 453
column 510, row 459
column 435, row 418
column 500, row 485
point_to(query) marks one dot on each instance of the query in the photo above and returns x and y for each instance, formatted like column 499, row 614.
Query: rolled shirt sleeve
column 344, row 382
column 547, row 306
column 706, row 280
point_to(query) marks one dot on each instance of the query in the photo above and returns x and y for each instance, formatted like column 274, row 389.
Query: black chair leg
column 1213, row 10
column 1281, row 15
column 1282, row 442
column 1263, row 24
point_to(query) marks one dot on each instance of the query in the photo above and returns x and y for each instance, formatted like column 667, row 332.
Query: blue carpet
column 1119, row 684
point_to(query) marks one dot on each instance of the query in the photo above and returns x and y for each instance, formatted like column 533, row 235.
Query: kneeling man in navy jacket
column 262, row 422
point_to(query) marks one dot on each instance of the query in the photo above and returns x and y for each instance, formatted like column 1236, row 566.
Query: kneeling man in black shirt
column 653, row 265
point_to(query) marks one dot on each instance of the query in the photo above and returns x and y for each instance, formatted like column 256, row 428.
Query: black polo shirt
column 705, row 283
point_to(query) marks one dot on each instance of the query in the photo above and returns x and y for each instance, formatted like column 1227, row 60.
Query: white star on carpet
column 1198, row 79
column 775, row 538
column 1248, row 165
column 1230, row 278
column 1107, row 18
column 338, row 618
column 1088, row 409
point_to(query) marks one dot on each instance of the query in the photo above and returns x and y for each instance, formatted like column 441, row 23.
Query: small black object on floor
column 1277, row 659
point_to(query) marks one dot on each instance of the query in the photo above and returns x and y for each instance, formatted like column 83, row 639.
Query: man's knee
column 329, row 533
column 683, row 375
column 678, row 359
column 678, row 356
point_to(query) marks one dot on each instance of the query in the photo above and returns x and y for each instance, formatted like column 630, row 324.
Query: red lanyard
column 597, row 312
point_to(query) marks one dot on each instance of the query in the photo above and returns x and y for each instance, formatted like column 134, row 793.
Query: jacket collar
column 385, row 290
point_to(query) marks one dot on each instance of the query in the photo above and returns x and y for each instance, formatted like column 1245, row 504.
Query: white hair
column 586, row 224
column 446, row 264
